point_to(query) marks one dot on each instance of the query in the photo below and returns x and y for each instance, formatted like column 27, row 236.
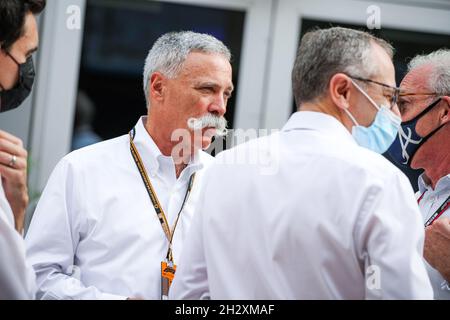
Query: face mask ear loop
column 366, row 95
column 351, row 117
column 14, row 59
column 423, row 112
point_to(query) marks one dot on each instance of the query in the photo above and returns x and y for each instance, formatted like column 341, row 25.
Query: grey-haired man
column 113, row 216
column 336, row 220
column 423, row 143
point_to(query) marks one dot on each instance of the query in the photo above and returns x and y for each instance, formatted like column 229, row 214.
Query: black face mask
column 408, row 141
column 11, row 99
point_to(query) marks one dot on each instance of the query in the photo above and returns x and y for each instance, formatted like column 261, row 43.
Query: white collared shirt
column 17, row 279
column 316, row 217
column 95, row 233
column 430, row 202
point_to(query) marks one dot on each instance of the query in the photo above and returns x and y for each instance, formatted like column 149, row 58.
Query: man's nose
column 218, row 106
column 396, row 111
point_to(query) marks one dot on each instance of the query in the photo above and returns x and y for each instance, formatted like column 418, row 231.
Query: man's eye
column 401, row 106
column 389, row 98
column 207, row 89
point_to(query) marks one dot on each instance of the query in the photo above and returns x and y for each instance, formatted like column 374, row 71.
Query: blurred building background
column 103, row 57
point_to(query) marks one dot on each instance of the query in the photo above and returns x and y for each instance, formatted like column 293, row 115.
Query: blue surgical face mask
column 381, row 133
column 408, row 141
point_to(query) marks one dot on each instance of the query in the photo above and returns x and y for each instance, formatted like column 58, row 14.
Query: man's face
column 203, row 86
column 415, row 97
column 380, row 94
column 20, row 50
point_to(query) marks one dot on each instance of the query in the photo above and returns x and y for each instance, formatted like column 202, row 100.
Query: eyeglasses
column 407, row 94
column 392, row 93
column 404, row 104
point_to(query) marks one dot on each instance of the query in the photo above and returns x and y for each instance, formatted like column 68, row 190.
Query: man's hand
column 437, row 246
column 13, row 170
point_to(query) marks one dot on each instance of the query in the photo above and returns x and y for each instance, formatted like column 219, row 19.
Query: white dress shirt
column 95, row 233
column 327, row 218
column 17, row 279
column 430, row 202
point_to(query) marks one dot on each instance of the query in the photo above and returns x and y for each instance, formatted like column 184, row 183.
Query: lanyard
column 152, row 194
column 442, row 208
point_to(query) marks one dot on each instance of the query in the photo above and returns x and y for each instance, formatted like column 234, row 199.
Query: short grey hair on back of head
column 171, row 50
column 439, row 78
column 323, row 53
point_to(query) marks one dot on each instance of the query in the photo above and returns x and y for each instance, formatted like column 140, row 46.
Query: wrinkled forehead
column 198, row 60
column 201, row 65
column 417, row 80
column 415, row 92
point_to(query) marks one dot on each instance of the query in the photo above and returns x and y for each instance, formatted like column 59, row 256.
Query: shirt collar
column 152, row 157
column 442, row 185
column 318, row 121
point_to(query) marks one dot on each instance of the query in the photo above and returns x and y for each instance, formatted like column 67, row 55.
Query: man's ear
column 444, row 114
column 156, row 88
column 339, row 90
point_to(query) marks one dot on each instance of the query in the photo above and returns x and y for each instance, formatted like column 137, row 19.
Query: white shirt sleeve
column 53, row 237
column 191, row 278
column 391, row 236
column 17, row 279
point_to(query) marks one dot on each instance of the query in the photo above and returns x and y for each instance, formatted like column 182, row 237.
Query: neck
column 327, row 108
column 435, row 172
column 162, row 137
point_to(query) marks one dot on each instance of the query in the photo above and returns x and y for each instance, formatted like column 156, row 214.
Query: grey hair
column 323, row 53
column 439, row 79
column 171, row 50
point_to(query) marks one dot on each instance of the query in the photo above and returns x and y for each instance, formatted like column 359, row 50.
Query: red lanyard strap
column 442, row 208
column 420, row 198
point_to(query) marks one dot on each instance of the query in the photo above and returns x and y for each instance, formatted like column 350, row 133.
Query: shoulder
column 205, row 158
column 99, row 155
column 335, row 158
column 373, row 170
column 249, row 152
column 100, row 149
column 372, row 162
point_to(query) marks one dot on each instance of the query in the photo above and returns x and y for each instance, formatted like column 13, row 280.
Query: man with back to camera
column 336, row 220
column 423, row 143
column 18, row 41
